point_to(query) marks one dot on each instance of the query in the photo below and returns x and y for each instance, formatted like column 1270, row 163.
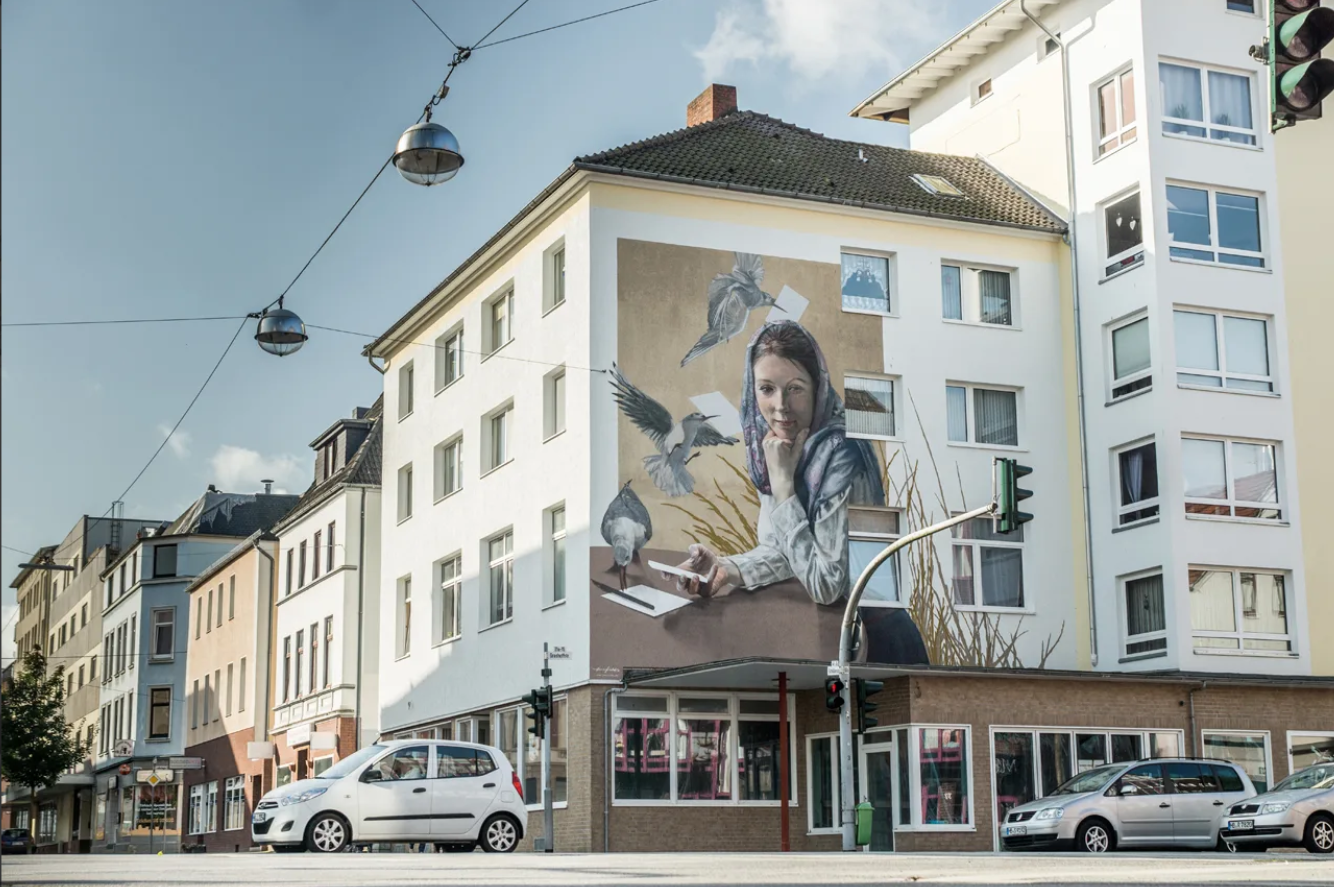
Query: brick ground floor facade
column 305, row 750
column 217, row 800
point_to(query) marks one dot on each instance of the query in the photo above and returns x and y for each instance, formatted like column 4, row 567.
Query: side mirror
column 372, row 775
column 1127, row 789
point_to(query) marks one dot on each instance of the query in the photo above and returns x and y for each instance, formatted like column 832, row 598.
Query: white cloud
column 817, row 39
column 241, row 470
column 178, row 443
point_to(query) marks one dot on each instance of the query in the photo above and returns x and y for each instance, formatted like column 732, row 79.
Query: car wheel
column 1095, row 836
column 1320, row 834
column 500, row 834
column 327, row 833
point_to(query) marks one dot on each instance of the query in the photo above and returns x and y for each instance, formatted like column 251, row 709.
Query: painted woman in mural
column 807, row 472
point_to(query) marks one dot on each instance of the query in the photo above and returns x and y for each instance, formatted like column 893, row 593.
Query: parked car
column 1299, row 810
column 1168, row 802
column 455, row 794
column 15, row 840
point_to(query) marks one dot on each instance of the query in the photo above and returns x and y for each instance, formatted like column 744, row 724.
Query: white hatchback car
column 410, row 790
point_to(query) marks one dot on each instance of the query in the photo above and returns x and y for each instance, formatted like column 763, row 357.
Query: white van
column 409, row 790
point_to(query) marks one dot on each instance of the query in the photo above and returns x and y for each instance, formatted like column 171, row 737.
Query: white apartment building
column 1187, row 407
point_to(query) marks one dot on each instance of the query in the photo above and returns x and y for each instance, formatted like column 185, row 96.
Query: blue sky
column 168, row 159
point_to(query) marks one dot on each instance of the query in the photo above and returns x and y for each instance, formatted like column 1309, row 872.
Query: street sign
column 560, row 653
column 124, row 769
column 154, row 777
column 179, row 763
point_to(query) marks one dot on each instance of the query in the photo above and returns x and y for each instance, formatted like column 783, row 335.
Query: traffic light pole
column 847, row 790
column 548, row 812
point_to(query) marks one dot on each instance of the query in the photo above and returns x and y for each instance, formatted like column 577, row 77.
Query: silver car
column 1168, row 802
column 1297, row 811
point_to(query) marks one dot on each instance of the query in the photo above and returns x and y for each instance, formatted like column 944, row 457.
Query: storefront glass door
column 879, row 786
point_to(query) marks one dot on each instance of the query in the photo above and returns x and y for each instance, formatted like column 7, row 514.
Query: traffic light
column 1299, row 79
column 833, row 694
column 1010, row 494
column 866, row 689
column 539, row 710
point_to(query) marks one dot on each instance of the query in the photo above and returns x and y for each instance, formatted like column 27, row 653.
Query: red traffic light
column 833, row 689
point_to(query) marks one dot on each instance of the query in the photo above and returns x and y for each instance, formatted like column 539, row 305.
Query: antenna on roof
column 268, row 486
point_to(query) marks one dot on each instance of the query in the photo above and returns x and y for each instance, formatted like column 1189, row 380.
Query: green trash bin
column 864, row 813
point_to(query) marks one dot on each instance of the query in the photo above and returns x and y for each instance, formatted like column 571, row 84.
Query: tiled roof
column 231, row 514
column 363, row 469
column 749, row 151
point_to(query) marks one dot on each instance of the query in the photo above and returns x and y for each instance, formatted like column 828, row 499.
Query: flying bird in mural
column 626, row 527
column 676, row 441
column 731, row 299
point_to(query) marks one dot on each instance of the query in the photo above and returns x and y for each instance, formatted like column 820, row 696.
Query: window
column 982, row 91
column 194, row 705
column 1220, row 113
column 159, row 713
column 500, row 577
column 1214, row 226
column 1248, row 750
column 290, row 573
column 553, row 419
column 870, row 530
column 329, row 548
column 558, row 554
column 1116, row 112
column 133, row 647
column 196, row 816
column 1146, row 620
column 1222, row 351
column 1239, row 610
column 231, row 597
column 164, row 633
column 404, row 616
column 497, row 430
column 990, row 559
column 287, row 668
column 1230, row 478
column 448, row 359
column 975, row 295
column 219, row 606
column 231, row 688
column 300, row 645
column 943, row 776
column 235, row 816
column 1131, row 366
column 81, row 675
column 1047, row 45
column 1137, row 470
column 555, row 278
column 448, row 600
column 164, row 562
column 501, row 314
column 208, row 615
column 1308, row 748
column 316, row 551
column 240, row 695
column 404, row 493
column 314, row 656
column 448, row 467
column 452, row 762
column 405, row 391
column 869, row 402
column 822, row 783
column 1124, row 229
column 83, row 616
column 319, row 765
column 123, row 584
column 994, row 418
column 865, row 283
column 1241, row 6
column 211, row 807
column 301, row 576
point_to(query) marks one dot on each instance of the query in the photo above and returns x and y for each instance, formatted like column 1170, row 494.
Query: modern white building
column 1187, row 392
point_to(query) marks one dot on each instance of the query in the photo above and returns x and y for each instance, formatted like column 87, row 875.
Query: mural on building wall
column 737, row 467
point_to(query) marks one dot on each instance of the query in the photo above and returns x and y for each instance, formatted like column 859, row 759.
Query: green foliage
column 38, row 744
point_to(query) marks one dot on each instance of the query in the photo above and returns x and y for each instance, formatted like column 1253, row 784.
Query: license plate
column 1015, row 830
column 261, row 816
column 1240, row 825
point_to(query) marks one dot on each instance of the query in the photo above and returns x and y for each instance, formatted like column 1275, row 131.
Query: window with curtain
column 1230, row 478
column 502, row 317
column 993, row 419
column 1116, row 112
column 1216, row 350
column 869, row 403
column 1236, row 610
column 448, row 359
column 1137, row 470
column 1146, row 619
column 498, row 428
column 1206, row 225
column 1131, row 367
column 558, row 277
column 1124, row 230
column 975, row 295
column 865, row 284
column 1206, row 103
column 448, row 467
column 988, row 566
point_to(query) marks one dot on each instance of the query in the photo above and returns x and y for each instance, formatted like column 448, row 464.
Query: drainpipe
column 262, row 714
column 1079, row 342
column 361, row 614
column 1190, row 696
column 606, row 765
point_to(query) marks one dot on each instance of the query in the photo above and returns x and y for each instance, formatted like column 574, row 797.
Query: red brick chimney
column 715, row 101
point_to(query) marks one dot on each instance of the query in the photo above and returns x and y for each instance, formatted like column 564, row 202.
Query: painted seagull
column 676, row 441
column 626, row 527
column 731, row 299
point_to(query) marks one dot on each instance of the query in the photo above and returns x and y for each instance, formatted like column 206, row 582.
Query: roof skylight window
column 936, row 185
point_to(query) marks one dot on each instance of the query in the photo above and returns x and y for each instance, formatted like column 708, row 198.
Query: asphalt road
column 651, row 870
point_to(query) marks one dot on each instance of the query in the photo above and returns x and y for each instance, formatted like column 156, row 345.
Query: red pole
column 784, row 755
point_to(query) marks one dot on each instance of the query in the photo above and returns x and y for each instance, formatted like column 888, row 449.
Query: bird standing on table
column 626, row 527
column 731, row 299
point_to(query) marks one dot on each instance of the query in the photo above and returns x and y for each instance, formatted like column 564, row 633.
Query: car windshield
column 1312, row 778
column 352, row 762
column 1088, row 781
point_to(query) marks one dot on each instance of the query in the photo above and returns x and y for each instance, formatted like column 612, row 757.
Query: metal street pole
column 548, row 812
column 847, row 790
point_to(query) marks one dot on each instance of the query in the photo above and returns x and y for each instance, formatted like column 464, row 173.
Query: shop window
column 943, row 776
column 1249, row 750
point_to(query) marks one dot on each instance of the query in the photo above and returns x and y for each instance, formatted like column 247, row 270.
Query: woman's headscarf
column 830, row 462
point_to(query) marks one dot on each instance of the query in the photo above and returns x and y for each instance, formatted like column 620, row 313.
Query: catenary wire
column 126, row 320
column 433, row 21
column 565, row 24
column 521, row 5
column 487, row 354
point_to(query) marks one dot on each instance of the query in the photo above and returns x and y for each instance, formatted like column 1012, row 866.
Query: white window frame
column 404, row 498
column 1320, row 734
column 1238, row 618
column 836, row 787
column 1255, row 10
column 504, row 415
column 893, row 565
column 970, row 295
column 891, row 290
column 406, row 390
column 504, row 562
column 1257, row 111
column 1120, row 512
column 557, row 574
column 402, row 619
column 979, row 592
column 1114, row 264
column 1123, row 133
column 449, row 449
column 1220, row 344
column 1231, row 502
column 446, row 588
column 915, row 777
column 159, row 625
column 1122, row 603
column 894, row 412
column 447, row 345
column 195, row 817
column 1212, row 246
column 234, row 804
column 554, row 276
column 970, row 415
column 491, row 324
column 981, row 90
column 553, row 404
column 1131, row 384
column 1268, row 752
